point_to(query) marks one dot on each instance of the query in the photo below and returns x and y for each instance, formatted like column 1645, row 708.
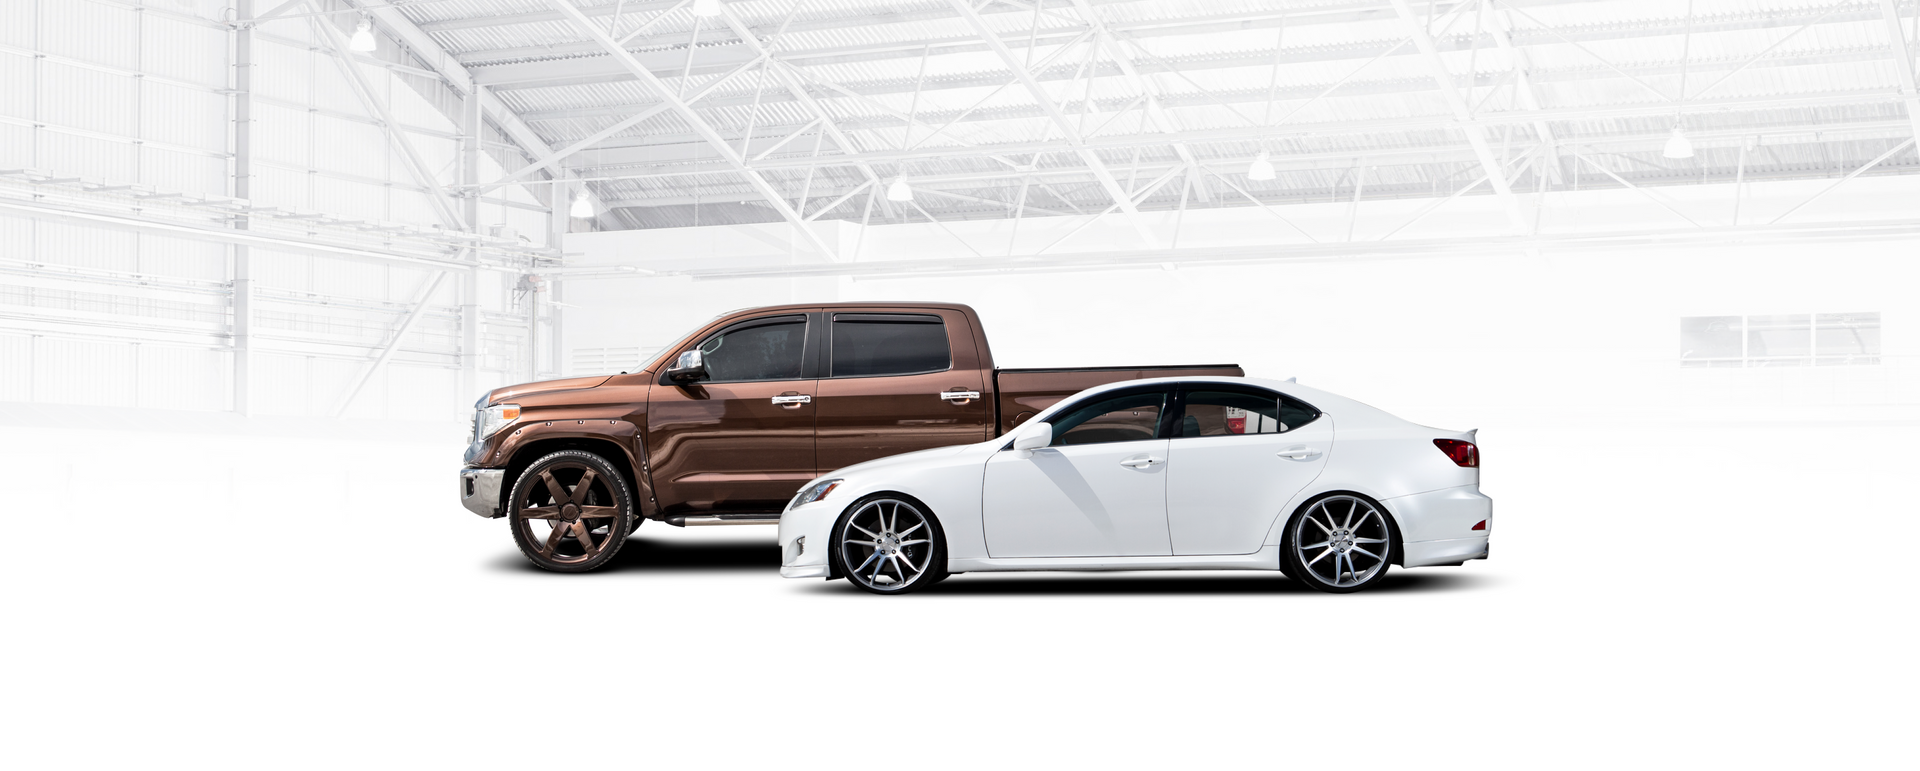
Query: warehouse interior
column 260, row 257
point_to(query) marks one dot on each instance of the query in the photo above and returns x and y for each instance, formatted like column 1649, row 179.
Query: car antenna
column 1295, row 380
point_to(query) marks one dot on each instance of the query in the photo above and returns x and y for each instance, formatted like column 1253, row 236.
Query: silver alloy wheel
column 886, row 544
column 1348, row 530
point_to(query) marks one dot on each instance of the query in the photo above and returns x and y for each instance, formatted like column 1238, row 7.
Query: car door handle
column 1298, row 453
column 1142, row 462
column 959, row 397
column 793, row 400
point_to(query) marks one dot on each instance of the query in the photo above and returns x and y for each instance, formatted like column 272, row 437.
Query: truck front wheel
column 570, row 511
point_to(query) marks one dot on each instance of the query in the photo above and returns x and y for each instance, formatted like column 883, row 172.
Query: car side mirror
column 691, row 365
column 1035, row 437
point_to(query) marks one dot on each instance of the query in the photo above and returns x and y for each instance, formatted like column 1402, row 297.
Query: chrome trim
column 480, row 490
column 799, row 399
column 725, row 519
column 960, row 397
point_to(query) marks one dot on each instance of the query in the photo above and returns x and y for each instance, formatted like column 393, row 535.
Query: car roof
column 1325, row 401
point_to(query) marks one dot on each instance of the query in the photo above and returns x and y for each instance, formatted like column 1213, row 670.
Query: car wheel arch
column 1277, row 534
column 834, row 568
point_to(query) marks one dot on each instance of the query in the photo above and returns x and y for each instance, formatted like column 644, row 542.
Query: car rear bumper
column 1452, row 551
column 480, row 490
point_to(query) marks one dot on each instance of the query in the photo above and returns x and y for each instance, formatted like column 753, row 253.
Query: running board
column 725, row 519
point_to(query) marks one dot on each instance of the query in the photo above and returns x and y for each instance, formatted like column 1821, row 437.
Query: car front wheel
column 1340, row 544
column 889, row 544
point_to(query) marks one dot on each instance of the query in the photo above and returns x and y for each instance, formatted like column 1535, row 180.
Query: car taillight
column 1463, row 454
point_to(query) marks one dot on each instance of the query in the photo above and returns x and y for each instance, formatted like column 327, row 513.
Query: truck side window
column 1229, row 413
column 1130, row 418
column 758, row 352
column 877, row 344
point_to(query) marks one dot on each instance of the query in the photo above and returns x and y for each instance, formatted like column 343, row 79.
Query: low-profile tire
column 888, row 543
column 570, row 511
column 1338, row 543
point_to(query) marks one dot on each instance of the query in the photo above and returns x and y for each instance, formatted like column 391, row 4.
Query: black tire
column 880, row 549
column 584, row 528
column 1351, row 527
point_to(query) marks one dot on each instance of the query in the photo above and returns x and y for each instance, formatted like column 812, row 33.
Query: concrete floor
column 1723, row 595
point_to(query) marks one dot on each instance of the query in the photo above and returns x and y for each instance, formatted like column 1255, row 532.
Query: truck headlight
column 814, row 492
column 488, row 421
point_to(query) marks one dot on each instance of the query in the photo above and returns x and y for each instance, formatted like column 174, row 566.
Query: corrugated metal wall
column 102, row 317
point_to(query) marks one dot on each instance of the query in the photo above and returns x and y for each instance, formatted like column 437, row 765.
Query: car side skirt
column 1267, row 558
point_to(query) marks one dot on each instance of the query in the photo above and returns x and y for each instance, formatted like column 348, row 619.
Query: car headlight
column 488, row 421
column 814, row 492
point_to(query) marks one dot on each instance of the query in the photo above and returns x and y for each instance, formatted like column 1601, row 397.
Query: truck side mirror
column 691, row 365
column 1035, row 437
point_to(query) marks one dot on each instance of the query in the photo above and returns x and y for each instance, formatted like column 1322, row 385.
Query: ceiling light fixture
column 1677, row 145
column 363, row 41
column 898, row 191
column 706, row 9
column 581, row 208
column 1262, row 169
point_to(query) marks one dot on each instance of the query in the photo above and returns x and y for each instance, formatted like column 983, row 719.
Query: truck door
column 898, row 382
column 741, row 439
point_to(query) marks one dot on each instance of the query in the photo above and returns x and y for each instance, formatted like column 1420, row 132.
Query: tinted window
column 1130, row 418
column 888, row 344
column 764, row 352
column 1227, row 413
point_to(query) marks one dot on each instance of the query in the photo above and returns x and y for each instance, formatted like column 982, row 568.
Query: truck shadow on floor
column 1010, row 584
column 649, row 555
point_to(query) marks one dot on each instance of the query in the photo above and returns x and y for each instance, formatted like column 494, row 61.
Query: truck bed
column 1021, row 393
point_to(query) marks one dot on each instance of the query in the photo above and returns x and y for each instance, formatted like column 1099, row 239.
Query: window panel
column 1129, row 418
column 765, row 352
column 897, row 346
column 1231, row 413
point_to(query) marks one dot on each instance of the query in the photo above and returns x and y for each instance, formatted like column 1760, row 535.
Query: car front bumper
column 806, row 534
column 480, row 490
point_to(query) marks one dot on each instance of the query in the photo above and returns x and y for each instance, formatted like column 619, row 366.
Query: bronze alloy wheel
column 570, row 511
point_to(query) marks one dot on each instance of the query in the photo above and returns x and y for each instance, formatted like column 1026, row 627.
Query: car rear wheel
column 1340, row 544
column 889, row 544
column 570, row 511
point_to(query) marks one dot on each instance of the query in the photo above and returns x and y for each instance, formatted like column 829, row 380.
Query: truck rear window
column 878, row 344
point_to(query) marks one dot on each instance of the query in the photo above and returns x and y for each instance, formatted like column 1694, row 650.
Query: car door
column 1098, row 491
column 1236, row 457
column 741, row 439
column 897, row 382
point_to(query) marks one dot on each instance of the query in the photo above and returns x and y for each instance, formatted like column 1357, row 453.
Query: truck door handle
column 959, row 397
column 1298, row 453
column 792, row 400
column 1141, row 461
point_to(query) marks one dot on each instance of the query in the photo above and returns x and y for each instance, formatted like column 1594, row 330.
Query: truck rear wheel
column 570, row 511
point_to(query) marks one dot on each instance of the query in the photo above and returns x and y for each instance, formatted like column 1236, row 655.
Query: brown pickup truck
column 725, row 425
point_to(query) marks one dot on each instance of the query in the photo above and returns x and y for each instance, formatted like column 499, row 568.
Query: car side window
column 756, row 350
column 1126, row 418
column 881, row 344
column 1231, row 413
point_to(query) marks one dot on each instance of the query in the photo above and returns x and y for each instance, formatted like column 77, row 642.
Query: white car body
column 1193, row 502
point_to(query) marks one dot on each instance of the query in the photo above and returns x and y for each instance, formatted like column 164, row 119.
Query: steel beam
column 242, row 189
column 1476, row 133
column 1523, row 87
column 1903, row 61
column 1087, row 156
column 693, row 120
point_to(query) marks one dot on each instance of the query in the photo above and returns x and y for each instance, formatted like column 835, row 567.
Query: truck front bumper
column 480, row 490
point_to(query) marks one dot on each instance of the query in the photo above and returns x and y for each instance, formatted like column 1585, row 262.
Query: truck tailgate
column 1023, row 392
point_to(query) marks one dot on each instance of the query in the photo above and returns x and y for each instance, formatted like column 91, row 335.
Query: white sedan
column 1168, row 474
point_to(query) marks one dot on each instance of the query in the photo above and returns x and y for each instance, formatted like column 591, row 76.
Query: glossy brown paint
column 726, row 448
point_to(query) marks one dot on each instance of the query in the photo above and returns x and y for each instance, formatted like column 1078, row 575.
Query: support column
column 243, row 189
column 471, row 126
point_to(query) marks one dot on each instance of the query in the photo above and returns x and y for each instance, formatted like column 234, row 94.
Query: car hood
column 511, row 392
column 896, row 460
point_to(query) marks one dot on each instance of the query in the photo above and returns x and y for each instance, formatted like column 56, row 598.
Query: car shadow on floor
column 1169, row 582
column 650, row 555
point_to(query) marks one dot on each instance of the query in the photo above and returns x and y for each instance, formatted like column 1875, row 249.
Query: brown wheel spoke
column 553, row 539
column 581, row 489
column 599, row 512
column 540, row 512
column 584, row 536
column 554, row 488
